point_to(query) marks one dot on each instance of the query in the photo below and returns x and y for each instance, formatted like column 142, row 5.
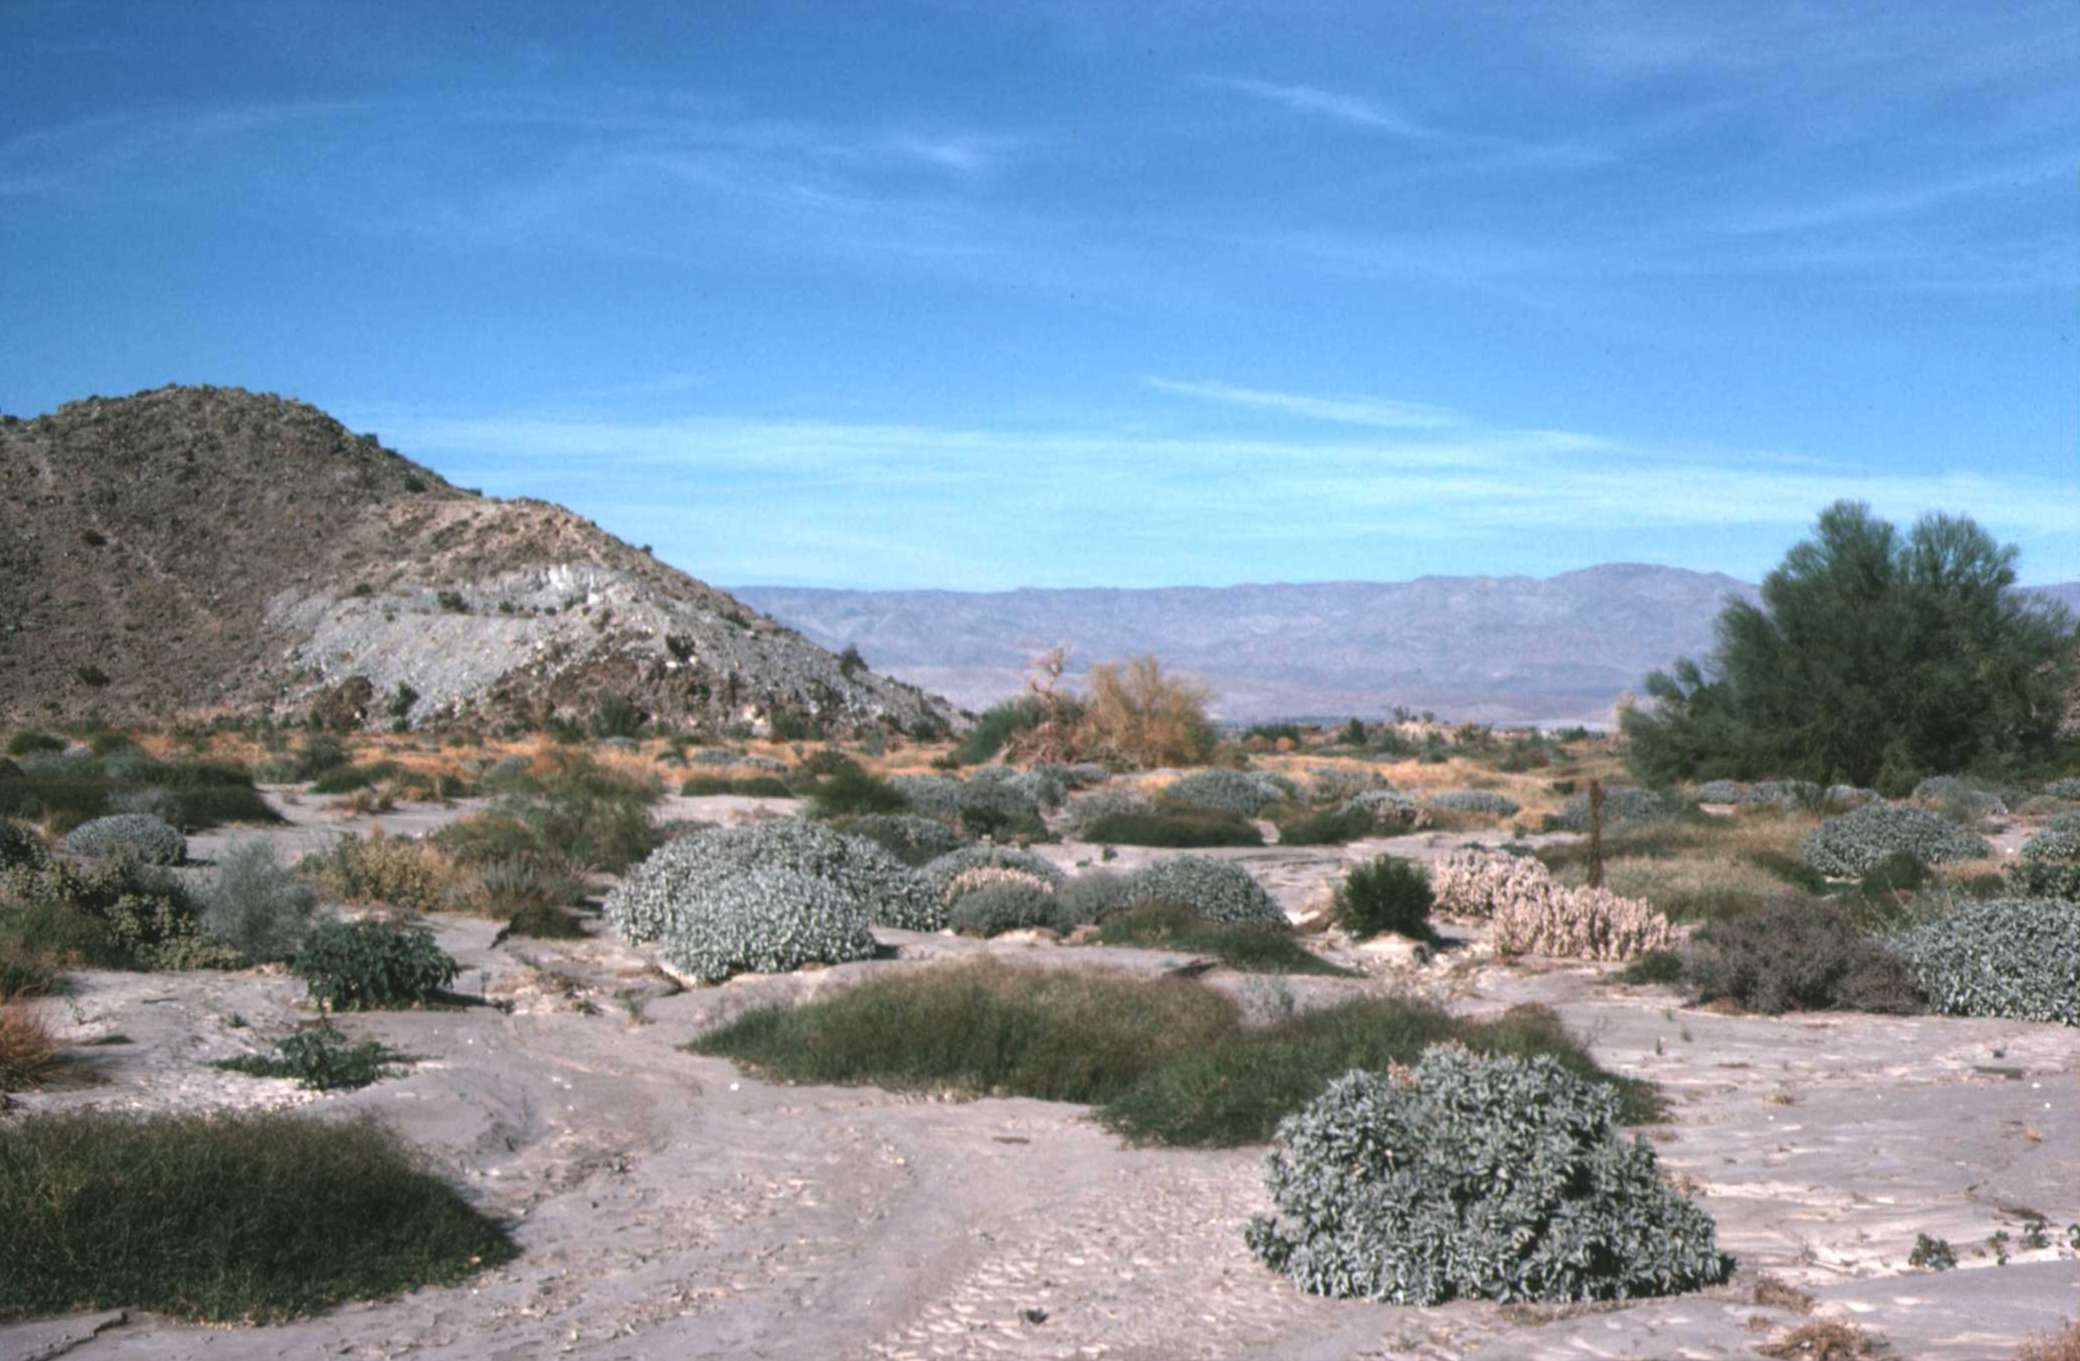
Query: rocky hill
column 1498, row 649
column 194, row 551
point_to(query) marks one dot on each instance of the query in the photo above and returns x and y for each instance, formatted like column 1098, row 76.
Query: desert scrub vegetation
column 2012, row 957
column 257, row 905
column 1139, row 718
column 698, row 898
column 1797, row 955
column 747, row 786
column 1015, row 902
column 116, row 913
column 320, row 1059
column 1167, row 1061
column 1847, row 846
column 131, row 836
column 1385, row 894
column 1535, row 914
column 1464, row 1177
column 233, row 1217
column 372, row 964
column 1241, row 793
column 1621, row 804
column 29, row 1054
column 406, row 873
column 63, row 789
column 909, row 837
column 1873, row 658
column 1246, row 948
column 1172, row 828
column 944, row 876
column 1214, row 889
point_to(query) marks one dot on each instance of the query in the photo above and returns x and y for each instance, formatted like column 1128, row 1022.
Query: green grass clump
column 853, row 791
column 984, row 1027
column 1386, row 893
column 225, row 1218
column 1246, row 948
column 750, row 787
column 1167, row 1060
column 321, row 1060
column 997, row 726
column 1186, row 830
column 1236, row 1091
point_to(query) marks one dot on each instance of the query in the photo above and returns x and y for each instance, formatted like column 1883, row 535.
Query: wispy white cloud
column 1344, row 108
column 1910, row 198
column 1373, row 411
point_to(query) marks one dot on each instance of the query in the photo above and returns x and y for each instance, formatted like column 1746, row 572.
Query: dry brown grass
column 1826, row 1340
column 2063, row 1345
column 29, row 1054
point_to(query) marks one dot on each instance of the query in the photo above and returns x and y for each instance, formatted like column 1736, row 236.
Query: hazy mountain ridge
column 1503, row 649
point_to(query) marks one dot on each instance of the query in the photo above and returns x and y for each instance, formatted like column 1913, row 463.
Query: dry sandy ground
column 669, row 1207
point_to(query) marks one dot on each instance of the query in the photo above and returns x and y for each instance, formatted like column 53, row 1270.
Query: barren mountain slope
column 209, row 550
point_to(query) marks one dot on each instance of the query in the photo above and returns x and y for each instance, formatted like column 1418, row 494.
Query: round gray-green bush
column 1483, row 801
column 1477, row 1178
column 1621, row 803
column 1852, row 844
column 764, row 920
column 2065, row 788
column 1213, row 889
column 1226, row 791
column 996, row 908
column 1087, row 810
column 935, row 796
column 1389, row 810
column 1722, row 791
column 256, row 904
column 1949, row 789
column 135, row 836
column 2012, row 957
column 939, row 875
column 889, row 892
column 912, row 839
column 1335, row 784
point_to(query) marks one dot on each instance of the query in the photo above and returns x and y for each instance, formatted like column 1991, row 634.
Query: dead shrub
column 28, row 1053
column 1826, row 1340
column 2063, row 1345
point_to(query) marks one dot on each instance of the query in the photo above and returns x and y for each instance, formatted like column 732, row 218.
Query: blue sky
column 986, row 295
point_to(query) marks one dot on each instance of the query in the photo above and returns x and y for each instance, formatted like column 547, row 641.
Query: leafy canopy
column 1872, row 658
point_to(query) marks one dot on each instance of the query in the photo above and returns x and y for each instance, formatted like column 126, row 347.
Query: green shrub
column 1087, row 810
column 19, row 845
column 1847, row 846
column 1172, row 829
column 997, row 726
column 545, row 921
column 29, row 743
column 1474, row 802
column 1093, row 896
column 319, row 1059
column 997, row 807
column 1384, row 811
column 1653, row 967
column 1327, row 827
column 403, row 872
column 1898, row 872
column 135, row 836
column 933, row 796
column 1386, row 893
column 2012, row 957
column 112, row 913
column 674, row 891
column 363, row 965
column 914, row 840
column 1621, row 803
column 855, row 791
column 764, row 920
column 1236, row 1090
column 984, row 1027
column 751, row 787
column 256, row 905
column 1473, row 1178
column 1797, row 955
column 994, row 909
column 230, row 1217
column 1246, row 948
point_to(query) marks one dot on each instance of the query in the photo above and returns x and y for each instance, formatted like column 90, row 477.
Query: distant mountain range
column 1515, row 649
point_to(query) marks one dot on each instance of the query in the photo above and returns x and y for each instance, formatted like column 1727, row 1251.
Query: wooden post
column 1595, row 834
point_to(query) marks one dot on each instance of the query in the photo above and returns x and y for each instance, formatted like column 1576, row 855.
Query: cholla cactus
column 1581, row 923
column 1474, row 883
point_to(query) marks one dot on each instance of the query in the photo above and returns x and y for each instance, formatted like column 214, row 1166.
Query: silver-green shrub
column 134, row 836
column 1950, row 791
column 1388, row 810
column 1850, row 795
column 1476, row 1178
column 1086, row 810
column 1621, row 803
column 1335, row 784
column 1214, row 890
column 1848, row 846
column 2013, row 957
column 1225, row 791
column 256, row 904
column 764, row 920
column 1483, row 801
column 2066, row 788
column 935, row 796
column 938, row 876
column 887, row 891
column 1092, row 896
column 1722, row 791
column 1785, row 794
column 912, row 839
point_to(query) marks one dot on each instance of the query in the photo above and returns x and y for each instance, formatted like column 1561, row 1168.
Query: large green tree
column 1872, row 657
